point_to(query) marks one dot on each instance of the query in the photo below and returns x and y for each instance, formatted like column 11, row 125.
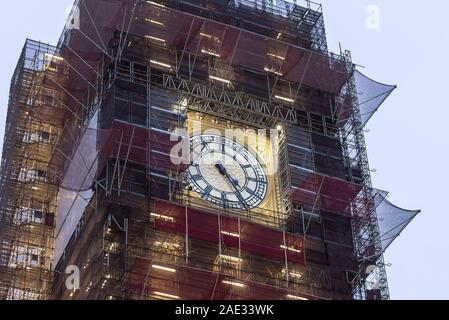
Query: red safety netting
column 238, row 47
column 327, row 193
column 253, row 238
column 150, row 147
column 196, row 284
column 98, row 20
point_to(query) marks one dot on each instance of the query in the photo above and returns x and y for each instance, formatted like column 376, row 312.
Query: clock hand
column 234, row 182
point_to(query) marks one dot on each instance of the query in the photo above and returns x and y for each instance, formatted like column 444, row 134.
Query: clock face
column 226, row 173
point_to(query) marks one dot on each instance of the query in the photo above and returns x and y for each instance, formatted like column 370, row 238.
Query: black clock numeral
column 258, row 181
column 196, row 177
column 208, row 190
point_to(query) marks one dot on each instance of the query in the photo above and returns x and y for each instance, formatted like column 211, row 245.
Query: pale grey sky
column 407, row 141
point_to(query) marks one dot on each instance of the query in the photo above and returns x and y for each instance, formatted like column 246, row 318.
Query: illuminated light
column 279, row 35
column 155, row 39
column 291, row 249
column 284, row 98
column 295, row 274
column 35, row 188
column 220, row 79
column 184, row 102
column 160, row 216
column 292, row 297
column 154, row 22
column 49, row 56
column 275, row 56
column 166, row 295
column 167, row 244
column 205, row 35
column 230, row 258
column 273, row 71
column 280, row 127
column 233, row 283
column 157, row 267
column 211, row 53
column 156, row 4
column 231, row 234
column 161, row 64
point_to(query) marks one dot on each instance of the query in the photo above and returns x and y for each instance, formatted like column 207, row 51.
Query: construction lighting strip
column 211, row 53
column 161, row 64
column 231, row 234
column 156, row 4
column 273, row 71
column 290, row 249
column 168, row 244
column 155, row 38
column 50, row 56
column 275, row 56
column 230, row 258
column 292, row 297
column 220, row 79
column 154, row 22
column 234, row 284
column 161, row 268
column 284, row 98
column 166, row 295
column 159, row 216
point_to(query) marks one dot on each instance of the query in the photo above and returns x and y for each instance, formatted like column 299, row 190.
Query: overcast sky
column 407, row 142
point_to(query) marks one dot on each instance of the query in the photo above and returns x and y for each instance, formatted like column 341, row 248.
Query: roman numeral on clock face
column 208, row 190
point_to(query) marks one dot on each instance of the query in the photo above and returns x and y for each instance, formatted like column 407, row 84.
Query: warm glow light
column 284, row 98
column 273, row 71
column 167, row 244
column 295, row 275
column 220, row 79
column 157, row 267
column 159, row 216
column 156, row 4
column 291, row 249
column 275, row 56
column 292, row 297
column 210, row 37
column 161, row 64
column 280, row 127
column 210, row 52
column 233, row 283
column 231, row 234
column 230, row 258
column 166, row 295
column 154, row 22
column 155, row 39
column 49, row 56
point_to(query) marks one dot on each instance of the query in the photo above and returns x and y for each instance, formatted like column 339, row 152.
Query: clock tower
column 270, row 197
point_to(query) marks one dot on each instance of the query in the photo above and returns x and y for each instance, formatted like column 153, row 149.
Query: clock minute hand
column 221, row 168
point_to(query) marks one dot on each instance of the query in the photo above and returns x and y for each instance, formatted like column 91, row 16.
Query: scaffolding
column 27, row 197
column 125, row 84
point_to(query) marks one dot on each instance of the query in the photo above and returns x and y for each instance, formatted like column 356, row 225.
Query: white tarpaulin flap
column 371, row 95
column 392, row 219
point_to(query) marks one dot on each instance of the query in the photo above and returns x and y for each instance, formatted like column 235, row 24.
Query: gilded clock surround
column 260, row 144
